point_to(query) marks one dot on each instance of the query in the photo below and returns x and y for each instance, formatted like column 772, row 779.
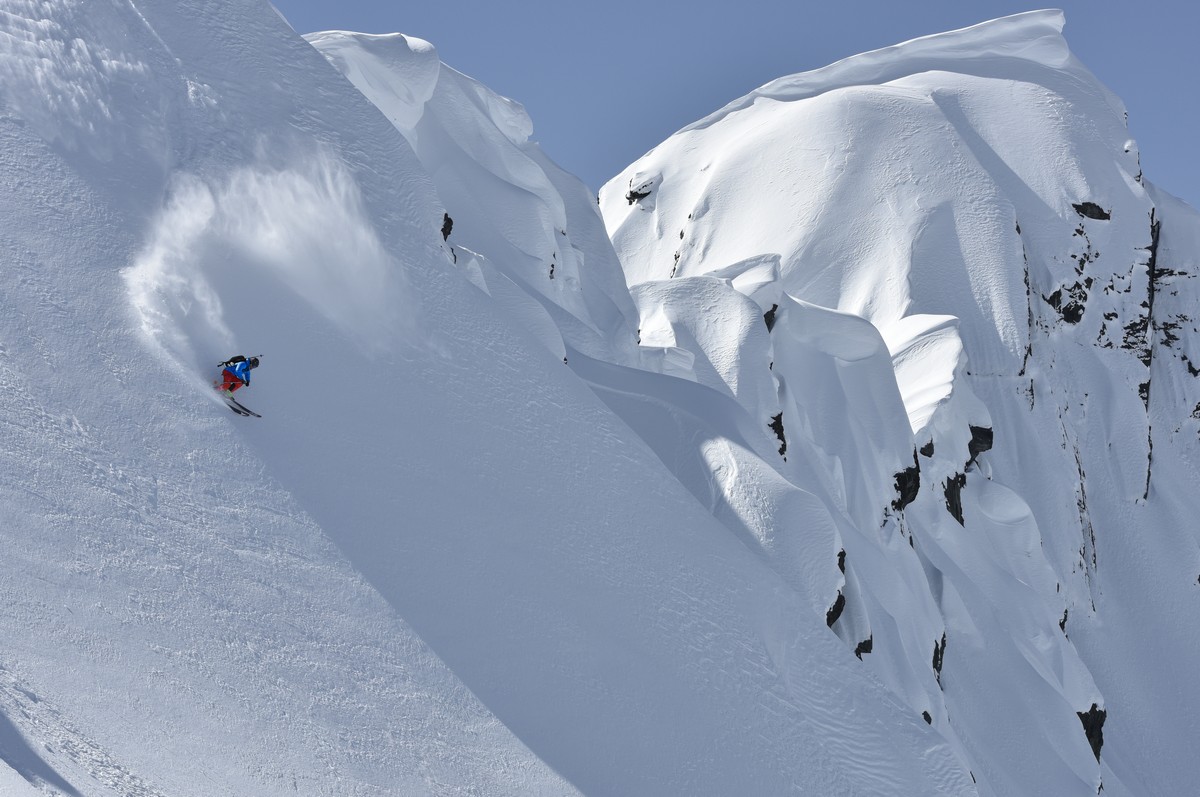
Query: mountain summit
column 973, row 206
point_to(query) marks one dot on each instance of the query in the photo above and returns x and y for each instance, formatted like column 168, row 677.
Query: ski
column 239, row 409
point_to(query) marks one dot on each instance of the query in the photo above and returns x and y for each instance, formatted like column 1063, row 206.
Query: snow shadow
column 301, row 224
column 26, row 762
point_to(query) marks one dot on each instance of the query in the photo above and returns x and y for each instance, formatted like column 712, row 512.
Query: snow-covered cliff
column 973, row 202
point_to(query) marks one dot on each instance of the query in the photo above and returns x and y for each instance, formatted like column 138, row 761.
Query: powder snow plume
column 303, row 224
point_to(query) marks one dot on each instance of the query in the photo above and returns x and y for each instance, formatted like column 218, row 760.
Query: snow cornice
column 1004, row 48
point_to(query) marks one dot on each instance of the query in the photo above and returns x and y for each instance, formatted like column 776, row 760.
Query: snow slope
column 440, row 563
column 867, row 471
column 517, row 219
column 967, row 281
column 175, row 621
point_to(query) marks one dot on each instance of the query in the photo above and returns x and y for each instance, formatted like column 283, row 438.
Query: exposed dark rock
column 769, row 317
column 939, row 652
column 637, row 194
column 1087, row 553
column 908, row 484
column 981, row 440
column 1088, row 255
column 1135, row 339
column 447, row 225
column 1148, row 343
column 1093, row 727
column 927, row 449
column 835, row 611
column 1168, row 329
column 1072, row 308
column 1029, row 320
column 1072, row 312
column 1091, row 210
column 928, row 719
column 552, row 264
column 842, row 561
column 954, row 496
column 864, row 646
column 776, row 425
column 1062, row 624
column 1149, row 460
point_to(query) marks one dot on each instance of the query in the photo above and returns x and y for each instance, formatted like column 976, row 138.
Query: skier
column 236, row 374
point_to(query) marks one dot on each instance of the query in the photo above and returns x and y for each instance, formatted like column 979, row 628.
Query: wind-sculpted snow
column 397, row 73
column 974, row 200
column 438, row 563
column 305, row 224
column 930, row 366
column 74, row 81
column 1019, row 42
column 509, row 204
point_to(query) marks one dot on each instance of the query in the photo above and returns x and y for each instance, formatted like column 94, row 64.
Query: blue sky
column 605, row 82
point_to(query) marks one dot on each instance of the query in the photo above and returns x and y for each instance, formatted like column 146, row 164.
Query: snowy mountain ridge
column 875, row 479
column 985, row 175
column 1034, row 37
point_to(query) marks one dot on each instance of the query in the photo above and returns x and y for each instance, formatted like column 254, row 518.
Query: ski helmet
column 253, row 362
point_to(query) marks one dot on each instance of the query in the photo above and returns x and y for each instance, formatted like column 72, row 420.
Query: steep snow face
column 528, row 233
column 439, row 563
column 978, row 320
column 174, row 620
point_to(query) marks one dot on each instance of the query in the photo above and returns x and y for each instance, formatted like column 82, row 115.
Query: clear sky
column 606, row 81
